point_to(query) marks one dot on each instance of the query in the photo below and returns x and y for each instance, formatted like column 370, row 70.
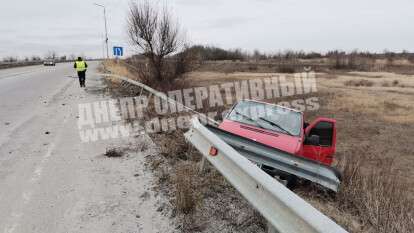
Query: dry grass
column 374, row 134
column 392, row 106
column 186, row 198
column 296, row 65
column 394, row 83
column 359, row 83
column 119, row 69
column 203, row 202
column 366, row 122
column 377, row 195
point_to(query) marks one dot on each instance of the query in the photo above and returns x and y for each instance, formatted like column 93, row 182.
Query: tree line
column 51, row 55
column 213, row 53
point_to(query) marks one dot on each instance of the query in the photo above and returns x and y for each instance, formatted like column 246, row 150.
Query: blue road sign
column 118, row 51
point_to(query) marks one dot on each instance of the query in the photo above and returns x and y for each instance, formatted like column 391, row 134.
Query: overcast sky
column 29, row 27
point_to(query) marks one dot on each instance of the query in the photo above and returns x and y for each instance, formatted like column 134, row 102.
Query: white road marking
column 40, row 70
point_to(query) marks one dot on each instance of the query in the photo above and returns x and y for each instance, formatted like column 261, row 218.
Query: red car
column 283, row 128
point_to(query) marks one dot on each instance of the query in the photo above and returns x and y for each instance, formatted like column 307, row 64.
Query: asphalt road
column 52, row 182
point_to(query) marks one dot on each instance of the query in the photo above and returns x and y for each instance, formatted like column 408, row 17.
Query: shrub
column 114, row 152
column 359, row 83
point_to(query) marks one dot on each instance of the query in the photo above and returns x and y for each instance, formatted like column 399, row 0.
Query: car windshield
column 267, row 116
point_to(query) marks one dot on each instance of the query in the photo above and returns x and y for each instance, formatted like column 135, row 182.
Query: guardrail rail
column 280, row 160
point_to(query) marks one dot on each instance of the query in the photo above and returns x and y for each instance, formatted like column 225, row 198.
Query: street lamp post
column 106, row 30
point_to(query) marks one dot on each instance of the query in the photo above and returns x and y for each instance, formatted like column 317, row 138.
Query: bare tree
column 35, row 58
column 157, row 35
column 72, row 57
column 51, row 55
column 10, row 59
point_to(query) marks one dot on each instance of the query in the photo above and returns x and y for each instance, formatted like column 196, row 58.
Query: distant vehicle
column 49, row 63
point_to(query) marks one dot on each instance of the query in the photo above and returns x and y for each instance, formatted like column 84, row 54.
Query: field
column 375, row 116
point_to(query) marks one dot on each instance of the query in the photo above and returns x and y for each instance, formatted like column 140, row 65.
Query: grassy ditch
column 376, row 194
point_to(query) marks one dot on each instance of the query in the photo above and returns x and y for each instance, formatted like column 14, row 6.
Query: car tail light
column 213, row 151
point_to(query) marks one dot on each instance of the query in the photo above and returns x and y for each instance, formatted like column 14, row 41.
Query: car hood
column 284, row 142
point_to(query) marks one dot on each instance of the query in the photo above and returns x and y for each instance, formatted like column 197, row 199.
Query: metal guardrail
column 285, row 211
column 280, row 160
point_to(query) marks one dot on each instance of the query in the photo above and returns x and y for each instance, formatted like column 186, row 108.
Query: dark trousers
column 82, row 77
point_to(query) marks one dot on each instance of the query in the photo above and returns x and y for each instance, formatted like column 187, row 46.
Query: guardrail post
column 202, row 164
column 270, row 228
column 140, row 93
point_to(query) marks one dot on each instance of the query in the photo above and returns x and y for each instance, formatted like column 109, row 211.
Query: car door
column 325, row 128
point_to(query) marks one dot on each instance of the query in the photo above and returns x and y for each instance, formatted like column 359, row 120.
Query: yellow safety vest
column 80, row 66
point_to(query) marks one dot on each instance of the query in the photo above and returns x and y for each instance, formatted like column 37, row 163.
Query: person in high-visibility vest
column 81, row 66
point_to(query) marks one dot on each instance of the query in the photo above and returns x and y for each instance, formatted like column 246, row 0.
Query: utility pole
column 106, row 29
column 103, row 45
